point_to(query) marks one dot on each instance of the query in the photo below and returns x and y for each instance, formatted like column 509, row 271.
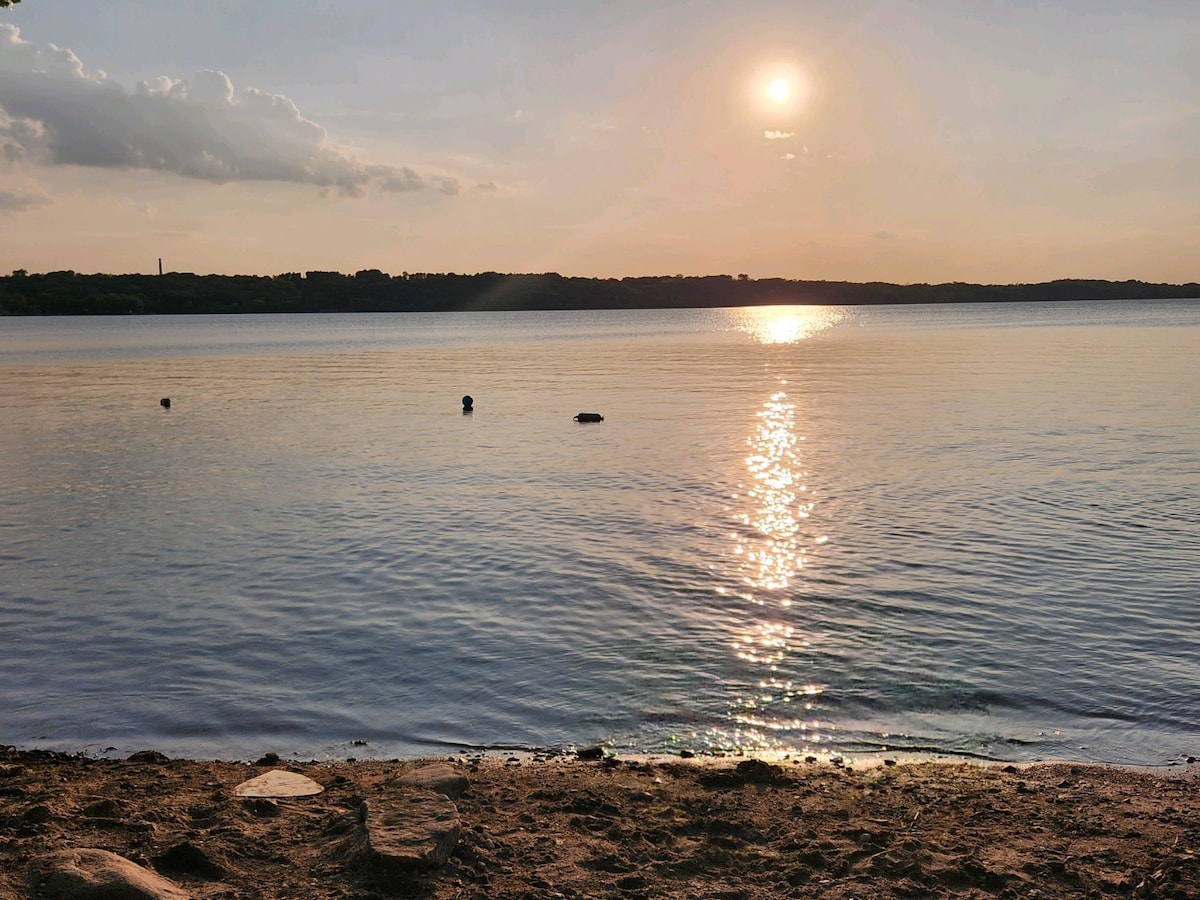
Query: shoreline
column 653, row 827
column 1181, row 764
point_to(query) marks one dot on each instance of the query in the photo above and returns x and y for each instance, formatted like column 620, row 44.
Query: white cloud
column 778, row 135
column 54, row 112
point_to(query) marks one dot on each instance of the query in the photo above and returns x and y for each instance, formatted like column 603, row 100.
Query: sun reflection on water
column 779, row 710
column 787, row 324
column 774, row 502
column 769, row 548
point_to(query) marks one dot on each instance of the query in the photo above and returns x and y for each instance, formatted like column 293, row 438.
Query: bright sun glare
column 778, row 90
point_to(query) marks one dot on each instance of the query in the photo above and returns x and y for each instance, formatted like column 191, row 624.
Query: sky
column 909, row 141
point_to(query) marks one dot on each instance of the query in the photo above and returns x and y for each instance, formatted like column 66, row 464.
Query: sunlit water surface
column 961, row 529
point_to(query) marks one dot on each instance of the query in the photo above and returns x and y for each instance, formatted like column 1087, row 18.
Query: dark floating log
column 589, row 417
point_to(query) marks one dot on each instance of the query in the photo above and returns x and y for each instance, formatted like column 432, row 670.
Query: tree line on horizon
column 370, row 290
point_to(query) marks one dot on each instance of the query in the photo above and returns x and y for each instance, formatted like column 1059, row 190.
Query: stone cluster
column 412, row 826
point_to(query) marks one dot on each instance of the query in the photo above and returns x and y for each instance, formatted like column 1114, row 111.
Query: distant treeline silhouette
column 370, row 290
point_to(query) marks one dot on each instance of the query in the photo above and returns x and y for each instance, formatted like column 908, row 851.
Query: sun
column 777, row 91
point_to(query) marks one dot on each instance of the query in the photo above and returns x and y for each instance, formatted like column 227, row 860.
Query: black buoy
column 165, row 402
column 589, row 417
column 468, row 403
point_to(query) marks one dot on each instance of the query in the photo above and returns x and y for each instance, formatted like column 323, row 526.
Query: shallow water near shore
column 969, row 530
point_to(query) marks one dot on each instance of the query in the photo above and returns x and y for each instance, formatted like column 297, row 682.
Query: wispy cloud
column 1161, row 175
column 18, row 200
column 55, row 112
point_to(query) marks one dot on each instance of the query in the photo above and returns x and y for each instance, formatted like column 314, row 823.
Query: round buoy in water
column 589, row 417
column 165, row 402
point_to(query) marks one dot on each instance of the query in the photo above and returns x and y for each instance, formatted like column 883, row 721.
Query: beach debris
column 187, row 858
column 749, row 771
column 756, row 771
column 596, row 752
column 439, row 778
column 104, row 808
column 148, row 756
column 589, row 417
column 90, row 874
column 278, row 783
column 412, row 830
column 263, row 807
column 267, row 759
column 39, row 814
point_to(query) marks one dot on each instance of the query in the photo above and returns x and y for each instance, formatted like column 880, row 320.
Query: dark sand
column 563, row 827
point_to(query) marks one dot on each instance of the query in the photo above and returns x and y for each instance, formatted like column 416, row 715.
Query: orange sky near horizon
column 915, row 141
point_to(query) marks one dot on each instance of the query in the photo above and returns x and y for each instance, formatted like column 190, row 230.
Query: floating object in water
column 165, row 402
column 589, row 417
column 468, row 403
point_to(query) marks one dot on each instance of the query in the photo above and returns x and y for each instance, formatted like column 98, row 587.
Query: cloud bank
column 55, row 112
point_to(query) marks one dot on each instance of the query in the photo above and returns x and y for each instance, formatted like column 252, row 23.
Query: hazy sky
column 919, row 140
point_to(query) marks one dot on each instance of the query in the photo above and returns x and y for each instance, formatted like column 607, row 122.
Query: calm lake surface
column 960, row 529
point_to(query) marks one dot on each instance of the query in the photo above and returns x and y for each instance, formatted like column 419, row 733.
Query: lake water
column 954, row 529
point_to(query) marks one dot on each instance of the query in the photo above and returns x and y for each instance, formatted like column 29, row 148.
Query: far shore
column 70, row 293
column 649, row 827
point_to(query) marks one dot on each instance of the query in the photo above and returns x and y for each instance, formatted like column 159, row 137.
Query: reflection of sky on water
column 770, row 551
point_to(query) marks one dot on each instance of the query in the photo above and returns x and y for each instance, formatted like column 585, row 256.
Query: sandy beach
column 654, row 828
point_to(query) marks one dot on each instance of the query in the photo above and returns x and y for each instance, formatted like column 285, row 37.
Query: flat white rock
column 278, row 783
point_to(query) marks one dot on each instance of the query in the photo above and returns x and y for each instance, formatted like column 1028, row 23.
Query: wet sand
column 564, row 827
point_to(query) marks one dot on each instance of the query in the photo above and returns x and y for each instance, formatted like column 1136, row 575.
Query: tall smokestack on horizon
column 160, row 265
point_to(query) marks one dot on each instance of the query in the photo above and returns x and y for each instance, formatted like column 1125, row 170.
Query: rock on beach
column 442, row 779
column 411, row 830
column 89, row 874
